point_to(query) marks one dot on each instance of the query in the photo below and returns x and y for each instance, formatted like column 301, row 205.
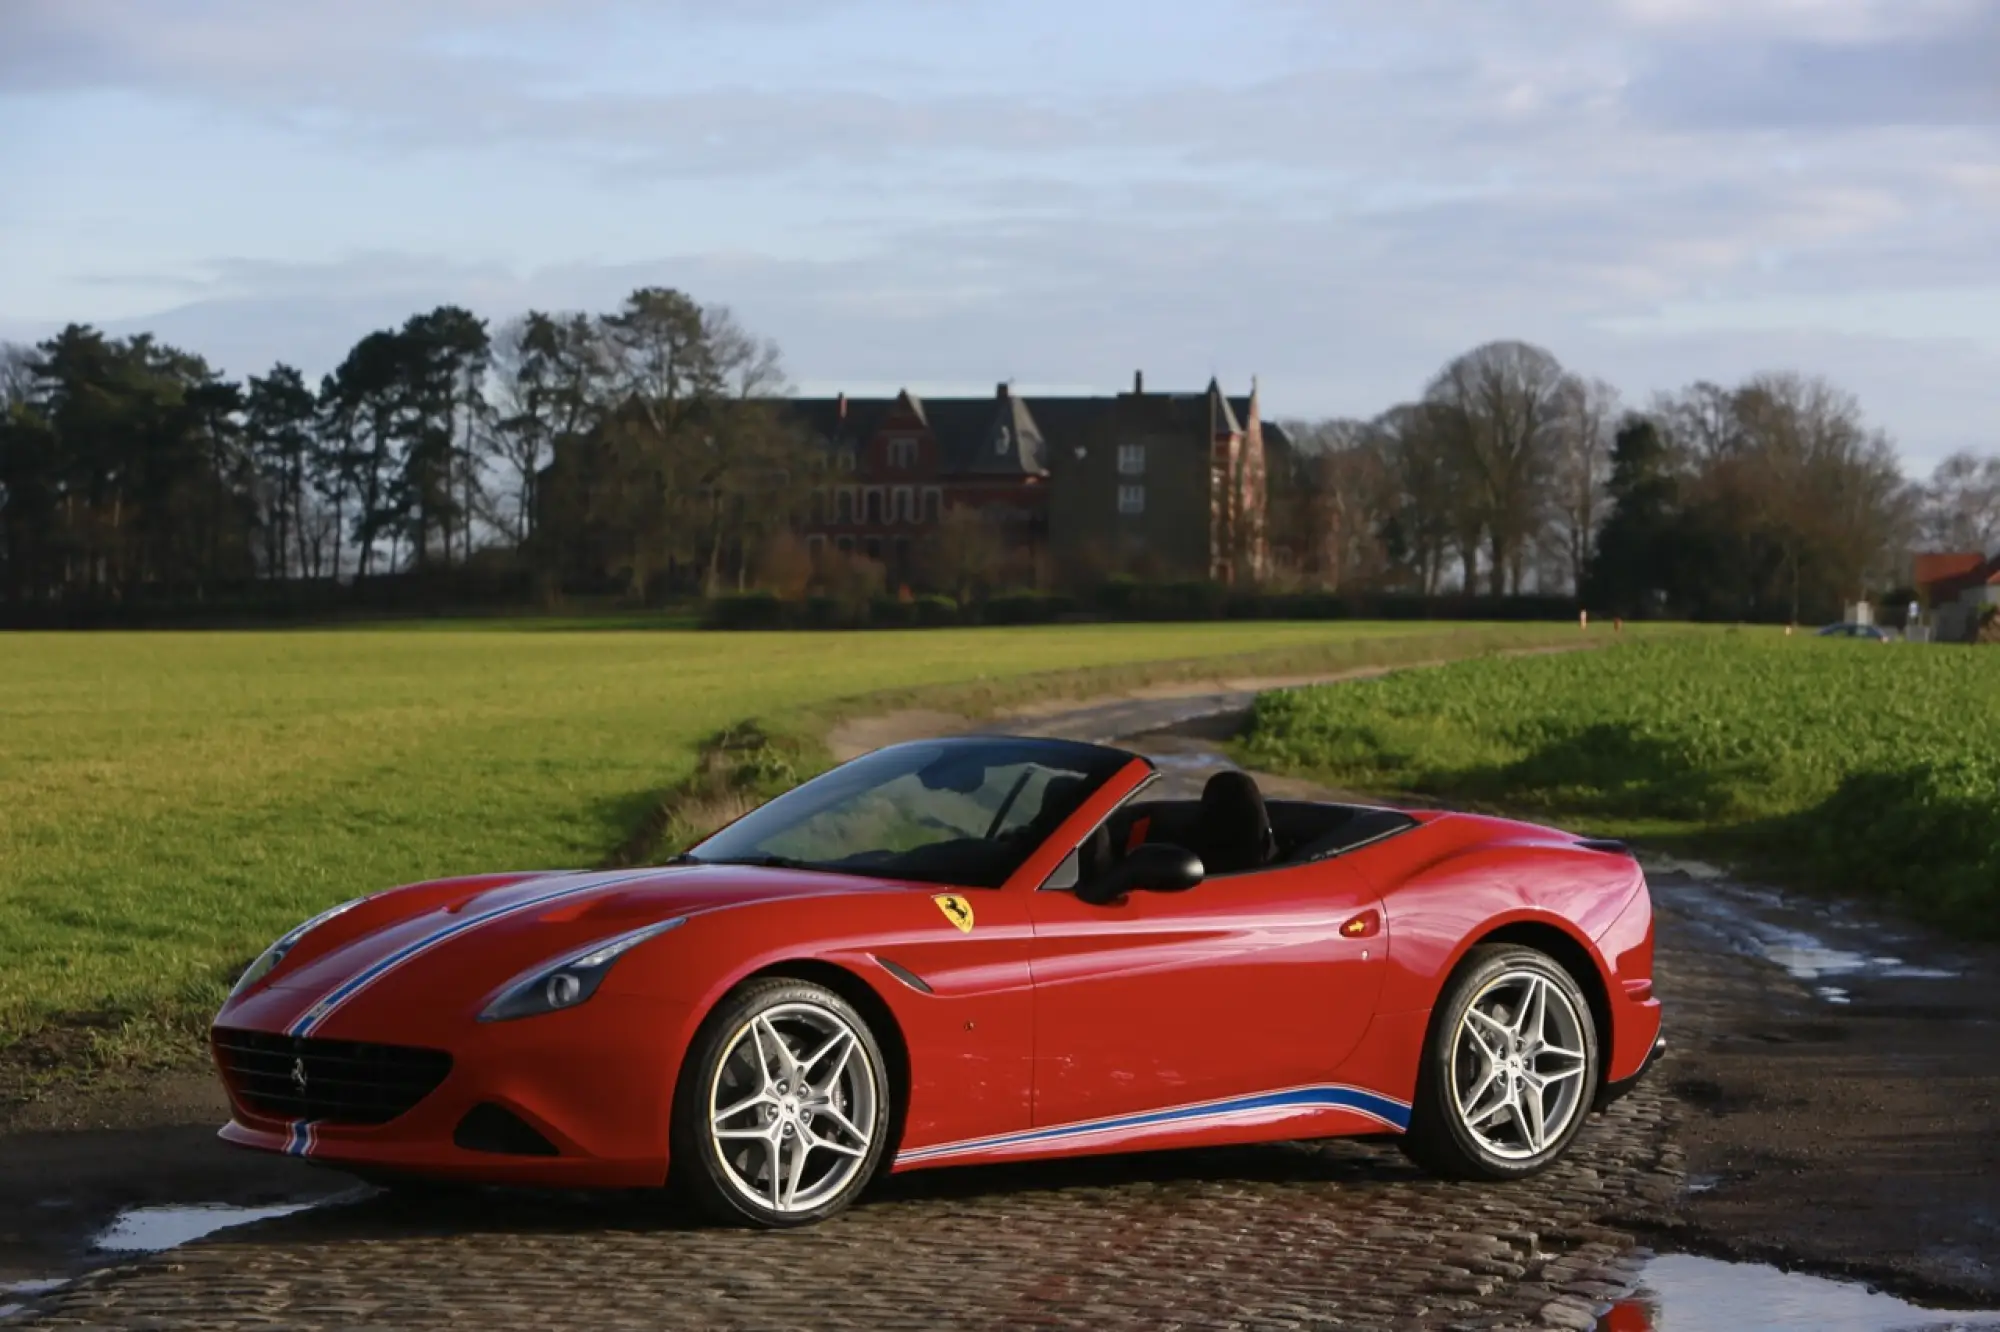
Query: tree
column 1338, row 490
column 1961, row 504
column 1499, row 406
column 280, row 415
column 551, row 381
column 1588, row 412
column 965, row 555
column 1420, row 507
column 443, row 363
column 1633, row 569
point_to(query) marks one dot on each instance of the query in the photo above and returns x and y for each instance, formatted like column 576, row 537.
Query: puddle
column 15, row 1294
column 151, row 1229
column 1812, row 941
column 1680, row 1293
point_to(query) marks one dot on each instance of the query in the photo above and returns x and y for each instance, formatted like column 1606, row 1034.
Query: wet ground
column 1829, row 1107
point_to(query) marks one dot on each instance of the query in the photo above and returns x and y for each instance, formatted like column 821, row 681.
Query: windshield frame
column 742, row 841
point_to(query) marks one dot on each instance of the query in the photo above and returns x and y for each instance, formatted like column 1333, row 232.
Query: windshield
column 965, row 812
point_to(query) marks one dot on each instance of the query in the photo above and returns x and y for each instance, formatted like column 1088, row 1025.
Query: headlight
column 268, row 960
column 570, row 981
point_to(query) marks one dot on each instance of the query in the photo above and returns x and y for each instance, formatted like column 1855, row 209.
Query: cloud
column 1340, row 196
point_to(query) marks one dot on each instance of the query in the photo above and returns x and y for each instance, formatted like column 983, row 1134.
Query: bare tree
column 1500, row 406
column 1961, row 504
column 1419, row 509
column 1343, row 489
column 1589, row 417
column 1827, row 492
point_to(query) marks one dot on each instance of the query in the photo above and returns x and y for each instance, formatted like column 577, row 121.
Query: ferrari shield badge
column 956, row 910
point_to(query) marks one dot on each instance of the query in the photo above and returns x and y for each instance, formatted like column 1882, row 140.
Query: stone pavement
column 1331, row 1235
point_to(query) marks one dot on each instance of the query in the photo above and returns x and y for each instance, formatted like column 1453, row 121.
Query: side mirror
column 1152, row 867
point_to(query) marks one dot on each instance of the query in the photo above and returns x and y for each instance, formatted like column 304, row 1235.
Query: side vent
column 1608, row 845
column 905, row 975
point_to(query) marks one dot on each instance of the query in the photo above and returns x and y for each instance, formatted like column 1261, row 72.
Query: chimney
column 1000, row 391
column 1138, row 382
column 840, row 406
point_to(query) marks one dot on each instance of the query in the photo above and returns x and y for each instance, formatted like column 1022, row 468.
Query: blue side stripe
column 1385, row 1108
column 353, row 985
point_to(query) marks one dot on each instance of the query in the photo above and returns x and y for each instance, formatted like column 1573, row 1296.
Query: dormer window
column 1003, row 439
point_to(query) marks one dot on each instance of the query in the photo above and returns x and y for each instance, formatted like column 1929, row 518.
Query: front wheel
column 782, row 1112
column 1508, row 1071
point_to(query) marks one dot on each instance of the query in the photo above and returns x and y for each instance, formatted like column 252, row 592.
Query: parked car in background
column 1870, row 631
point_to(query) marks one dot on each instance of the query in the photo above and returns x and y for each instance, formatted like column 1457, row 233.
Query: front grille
column 328, row 1082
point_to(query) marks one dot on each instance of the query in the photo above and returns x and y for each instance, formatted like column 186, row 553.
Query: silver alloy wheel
column 792, row 1107
column 1518, row 1065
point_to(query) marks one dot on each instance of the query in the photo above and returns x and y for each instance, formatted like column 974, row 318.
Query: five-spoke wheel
column 1510, row 1068
column 782, row 1110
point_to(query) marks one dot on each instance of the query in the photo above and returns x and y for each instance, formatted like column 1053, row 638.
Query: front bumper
column 1612, row 1091
column 594, row 1084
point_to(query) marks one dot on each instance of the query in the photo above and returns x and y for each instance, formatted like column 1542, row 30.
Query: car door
column 1243, row 984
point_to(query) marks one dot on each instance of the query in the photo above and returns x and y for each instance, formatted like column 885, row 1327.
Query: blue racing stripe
column 1385, row 1108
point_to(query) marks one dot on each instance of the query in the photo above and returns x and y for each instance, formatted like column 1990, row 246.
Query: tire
column 763, row 1041
column 1475, row 1114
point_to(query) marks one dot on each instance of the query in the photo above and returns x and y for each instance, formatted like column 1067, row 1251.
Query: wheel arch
column 881, row 1019
column 1573, row 957
column 1550, row 936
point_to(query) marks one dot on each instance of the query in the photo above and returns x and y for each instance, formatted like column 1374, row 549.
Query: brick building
column 1168, row 485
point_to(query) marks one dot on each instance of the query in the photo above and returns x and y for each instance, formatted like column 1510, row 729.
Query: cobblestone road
column 1295, row 1236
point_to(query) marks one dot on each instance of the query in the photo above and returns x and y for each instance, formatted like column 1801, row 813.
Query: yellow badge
column 956, row 910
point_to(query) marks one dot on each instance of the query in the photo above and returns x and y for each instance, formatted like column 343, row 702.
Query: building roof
column 1008, row 434
column 1957, row 567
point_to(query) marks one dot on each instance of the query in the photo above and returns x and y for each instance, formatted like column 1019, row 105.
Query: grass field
column 1851, row 766
column 170, row 802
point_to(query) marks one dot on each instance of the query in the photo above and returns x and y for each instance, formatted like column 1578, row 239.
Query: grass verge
column 1843, row 766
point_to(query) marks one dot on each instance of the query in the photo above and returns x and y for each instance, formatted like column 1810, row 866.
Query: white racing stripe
column 331, row 1002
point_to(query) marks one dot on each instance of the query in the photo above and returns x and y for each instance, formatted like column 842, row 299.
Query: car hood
column 436, row 945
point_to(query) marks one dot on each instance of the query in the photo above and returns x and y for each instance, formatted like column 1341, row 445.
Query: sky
column 1334, row 196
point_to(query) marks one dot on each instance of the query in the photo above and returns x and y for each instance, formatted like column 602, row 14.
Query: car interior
column 1235, row 830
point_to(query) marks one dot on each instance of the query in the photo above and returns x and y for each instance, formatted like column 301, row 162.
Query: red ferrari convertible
column 965, row 950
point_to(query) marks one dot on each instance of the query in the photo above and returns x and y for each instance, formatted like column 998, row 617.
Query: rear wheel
column 782, row 1112
column 1509, row 1069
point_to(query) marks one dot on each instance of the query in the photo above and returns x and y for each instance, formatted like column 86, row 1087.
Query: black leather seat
column 1233, row 830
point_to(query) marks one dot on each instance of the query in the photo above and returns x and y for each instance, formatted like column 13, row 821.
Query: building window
column 1131, row 460
column 845, row 545
column 874, row 510
column 1131, row 499
column 933, row 504
column 872, row 547
column 902, row 454
column 901, row 547
column 843, row 505
column 847, row 460
column 816, row 546
column 905, row 508
column 817, row 511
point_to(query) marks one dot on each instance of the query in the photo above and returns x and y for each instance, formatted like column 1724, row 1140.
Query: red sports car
column 964, row 950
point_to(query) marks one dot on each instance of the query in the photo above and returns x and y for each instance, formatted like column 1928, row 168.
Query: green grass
column 169, row 802
column 1849, row 766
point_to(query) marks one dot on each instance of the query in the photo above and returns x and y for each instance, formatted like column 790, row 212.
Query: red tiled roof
column 1948, row 567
